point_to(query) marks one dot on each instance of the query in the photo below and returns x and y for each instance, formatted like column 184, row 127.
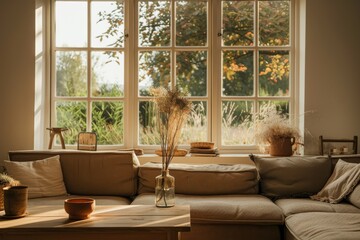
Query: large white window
column 228, row 57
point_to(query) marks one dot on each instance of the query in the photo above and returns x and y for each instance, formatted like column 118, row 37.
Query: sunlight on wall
column 39, row 106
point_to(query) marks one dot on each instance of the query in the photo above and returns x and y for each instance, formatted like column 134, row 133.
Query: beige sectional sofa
column 267, row 200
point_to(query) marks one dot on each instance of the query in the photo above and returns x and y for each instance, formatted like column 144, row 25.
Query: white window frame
column 214, row 76
column 173, row 49
column 217, row 73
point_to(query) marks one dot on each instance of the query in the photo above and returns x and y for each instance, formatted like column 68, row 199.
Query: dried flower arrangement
column 172, row 112
column 271, row 127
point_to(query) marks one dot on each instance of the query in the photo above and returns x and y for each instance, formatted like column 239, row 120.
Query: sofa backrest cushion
column 354, row 197
column 203, row 179
column 296, row 176
column 92, row 173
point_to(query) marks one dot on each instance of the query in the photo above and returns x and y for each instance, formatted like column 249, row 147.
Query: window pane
column 236, row 123
column 191, row 23
column 274, row 23
column 154, row 70
column 274, row 71
column 154, row 23
column 196, row 127
column 108, row 122
column 238, row 73
column 238, row 23
column 148, row 133
column 70, row 115
column 282, row 106
column 191, row 72
column 71, row 74
column 71, row 23
column 107, row 23
column 107, row 74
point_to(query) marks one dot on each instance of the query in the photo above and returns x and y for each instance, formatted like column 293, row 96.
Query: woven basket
column 205, row 145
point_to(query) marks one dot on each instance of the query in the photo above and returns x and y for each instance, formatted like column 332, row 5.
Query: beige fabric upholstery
column 292, row 176
column 205, row 179
column 341, row 182
column 320, row 226
column 354, row 197
column 225, row 209
column 232, row 232
column 301, row 205
column 92, row 173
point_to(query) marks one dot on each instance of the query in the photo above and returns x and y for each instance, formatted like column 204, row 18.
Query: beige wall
column 332, row 76
column 17, row 70
column 332, row 87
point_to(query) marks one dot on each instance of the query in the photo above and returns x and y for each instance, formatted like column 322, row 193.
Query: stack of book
column 203, row 150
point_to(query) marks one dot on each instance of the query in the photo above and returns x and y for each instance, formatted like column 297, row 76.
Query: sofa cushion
column 341, row 182
column 44, row 177
column 320, row 226
column 300, row 205
column 354, row 197
column 92, row 173
column 205, row 179
column 225, row 209
column 292, row 176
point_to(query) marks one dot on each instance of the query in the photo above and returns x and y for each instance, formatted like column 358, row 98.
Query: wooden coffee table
column 106, row 222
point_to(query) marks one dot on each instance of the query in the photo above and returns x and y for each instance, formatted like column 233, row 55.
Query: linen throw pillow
column 43, row 177
column 342, row 181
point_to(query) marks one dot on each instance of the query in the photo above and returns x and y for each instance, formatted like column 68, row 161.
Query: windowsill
column 220, row 159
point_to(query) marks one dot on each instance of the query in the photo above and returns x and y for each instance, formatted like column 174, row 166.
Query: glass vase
column 165, row 190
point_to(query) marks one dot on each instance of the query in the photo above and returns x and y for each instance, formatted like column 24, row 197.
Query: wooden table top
column 104, row 218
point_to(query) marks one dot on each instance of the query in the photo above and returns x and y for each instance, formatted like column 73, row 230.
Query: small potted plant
column 276, row 130
column 5, row 181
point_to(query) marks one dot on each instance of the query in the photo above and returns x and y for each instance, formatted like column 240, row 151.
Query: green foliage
column 71, row 74
column 108, row 122
column 71, row 115
column 238, row 23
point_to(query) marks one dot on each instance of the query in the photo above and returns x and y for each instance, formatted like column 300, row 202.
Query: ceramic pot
column 282, row 146
column 15, row 200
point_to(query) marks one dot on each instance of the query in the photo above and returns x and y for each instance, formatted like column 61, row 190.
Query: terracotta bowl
column 79, row 208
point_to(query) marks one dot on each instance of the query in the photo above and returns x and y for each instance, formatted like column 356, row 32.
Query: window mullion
column 173, row 48
column 256, row 58
column 216, row 82
column 88, row 51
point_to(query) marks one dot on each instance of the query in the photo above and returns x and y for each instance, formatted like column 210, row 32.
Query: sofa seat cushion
column 225, row 209
column 203, row 179
column 301, row 205
column 99, row 200
column 321, row 225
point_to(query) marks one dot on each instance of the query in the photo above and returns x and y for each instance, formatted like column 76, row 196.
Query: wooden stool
column 56, row 131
